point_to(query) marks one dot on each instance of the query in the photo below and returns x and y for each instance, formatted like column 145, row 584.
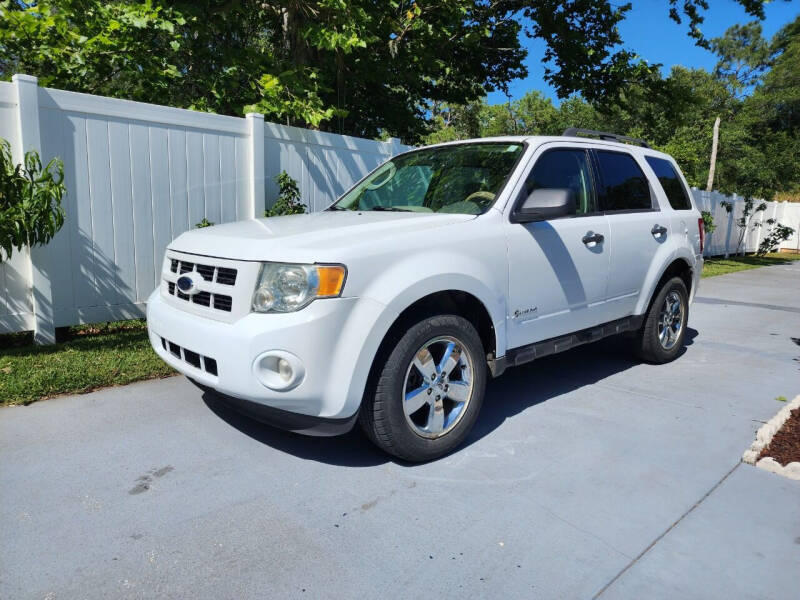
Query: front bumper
column 327, row 337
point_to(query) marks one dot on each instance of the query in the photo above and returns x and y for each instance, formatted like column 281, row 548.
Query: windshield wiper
column 335, row 207
column 390, row 209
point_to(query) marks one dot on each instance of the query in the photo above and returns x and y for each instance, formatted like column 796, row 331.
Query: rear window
column 671, row 183
column 623, row 185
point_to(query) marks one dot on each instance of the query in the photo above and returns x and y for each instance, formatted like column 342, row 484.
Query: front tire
column 428, row 391
column 662, row 334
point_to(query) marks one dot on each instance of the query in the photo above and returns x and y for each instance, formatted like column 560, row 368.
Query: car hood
column 328, row 236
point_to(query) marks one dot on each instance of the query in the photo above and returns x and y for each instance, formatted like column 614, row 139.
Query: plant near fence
column 30, row 201
column 204, row 223
column 288, row 202
column 743, row 223
column 708, row 222
column 776, row 233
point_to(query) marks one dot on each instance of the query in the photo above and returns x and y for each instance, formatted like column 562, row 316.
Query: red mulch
column 785, row 444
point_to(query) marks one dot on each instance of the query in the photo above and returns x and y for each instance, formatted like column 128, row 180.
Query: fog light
column 278, row 370
column 284, row 369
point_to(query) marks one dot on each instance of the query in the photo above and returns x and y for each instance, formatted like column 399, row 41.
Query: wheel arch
column 450, row 301
column 678, row 267
column 458, row 302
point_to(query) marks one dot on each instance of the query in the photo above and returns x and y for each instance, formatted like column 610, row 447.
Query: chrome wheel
column 438, row 387
column 670, row 320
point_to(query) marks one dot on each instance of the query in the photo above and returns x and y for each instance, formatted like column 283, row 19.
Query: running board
column 518, row 356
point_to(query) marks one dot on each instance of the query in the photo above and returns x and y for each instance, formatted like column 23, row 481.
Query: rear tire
column 663, row 332
column 428, row 392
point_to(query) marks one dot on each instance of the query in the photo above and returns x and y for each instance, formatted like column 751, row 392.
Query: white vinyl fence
column 726, row 235
column 137, row 176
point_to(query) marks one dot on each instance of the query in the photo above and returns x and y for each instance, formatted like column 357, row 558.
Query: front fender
column 441, row 271
column 391, row 292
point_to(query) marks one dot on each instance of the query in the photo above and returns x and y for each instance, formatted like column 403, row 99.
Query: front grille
column 222, row 302
column 198, row 361
column 202, row 298
column 221, row 275
column 226, row 276
column 219, row 301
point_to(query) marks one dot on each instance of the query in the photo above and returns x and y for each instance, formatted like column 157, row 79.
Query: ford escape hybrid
column 443, row 266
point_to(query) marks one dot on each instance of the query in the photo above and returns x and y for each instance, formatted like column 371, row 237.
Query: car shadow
column 517, row 390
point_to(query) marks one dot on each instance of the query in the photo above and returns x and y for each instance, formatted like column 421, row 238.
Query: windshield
column 462, row 178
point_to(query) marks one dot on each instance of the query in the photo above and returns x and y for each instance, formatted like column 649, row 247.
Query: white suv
column 442, row 266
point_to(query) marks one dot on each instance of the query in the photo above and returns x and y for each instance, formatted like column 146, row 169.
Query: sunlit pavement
column 587, row 474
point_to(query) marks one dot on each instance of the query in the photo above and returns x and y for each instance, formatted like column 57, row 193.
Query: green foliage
column 776, row 233
column 288, row 202
column 357, row 67
column 204, row 223
column 122, row 49
column 708, row 222
column 30, row 201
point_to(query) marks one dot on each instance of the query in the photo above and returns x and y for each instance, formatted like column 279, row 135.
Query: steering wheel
column 390, row 171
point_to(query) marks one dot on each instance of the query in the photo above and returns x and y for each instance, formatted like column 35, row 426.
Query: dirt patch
column 785, row 444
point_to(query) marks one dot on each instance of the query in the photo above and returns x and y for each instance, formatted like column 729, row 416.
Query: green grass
column 86, row 358
column 721, row 266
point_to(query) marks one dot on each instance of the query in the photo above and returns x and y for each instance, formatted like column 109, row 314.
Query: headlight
column 286, row 288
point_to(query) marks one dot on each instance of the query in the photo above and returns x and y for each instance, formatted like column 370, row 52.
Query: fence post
column 255, row 126
column 29, row 138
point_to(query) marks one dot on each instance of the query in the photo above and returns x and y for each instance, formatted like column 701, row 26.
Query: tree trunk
column 713, row 166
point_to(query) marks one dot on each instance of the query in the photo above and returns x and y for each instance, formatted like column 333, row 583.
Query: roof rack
column 603, row 135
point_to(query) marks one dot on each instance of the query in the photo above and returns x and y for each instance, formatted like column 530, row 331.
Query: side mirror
column 544, row 204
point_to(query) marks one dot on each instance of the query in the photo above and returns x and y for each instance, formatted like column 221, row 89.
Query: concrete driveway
column 587, row 475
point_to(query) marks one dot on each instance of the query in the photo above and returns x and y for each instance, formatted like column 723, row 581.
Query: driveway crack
column 665, row 532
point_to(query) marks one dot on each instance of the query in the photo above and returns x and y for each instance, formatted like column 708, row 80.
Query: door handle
column 591, row 237
column 658, row 230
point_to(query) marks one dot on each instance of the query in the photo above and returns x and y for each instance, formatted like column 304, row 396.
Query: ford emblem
column 186, row 285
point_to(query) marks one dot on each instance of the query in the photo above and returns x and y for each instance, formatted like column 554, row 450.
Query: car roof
column 537, row 140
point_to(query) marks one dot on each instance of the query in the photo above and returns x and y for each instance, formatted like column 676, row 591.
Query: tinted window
column 623, row 184
column 564, row 169
column 673, row 186
column 462, row 178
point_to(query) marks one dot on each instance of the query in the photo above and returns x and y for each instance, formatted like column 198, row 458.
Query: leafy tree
column 122, row 49
column 30, row 201
column 352, row 66
column 744, row 221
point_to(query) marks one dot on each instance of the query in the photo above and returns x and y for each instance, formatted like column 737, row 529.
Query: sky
column 650, row 32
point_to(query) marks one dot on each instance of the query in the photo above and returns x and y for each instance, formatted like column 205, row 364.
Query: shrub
column 288, row 202
column 30, row 201
column 776, row 233
column 204, row 223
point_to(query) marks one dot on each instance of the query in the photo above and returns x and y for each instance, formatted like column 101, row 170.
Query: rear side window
column 671, row 183
column 623, row 185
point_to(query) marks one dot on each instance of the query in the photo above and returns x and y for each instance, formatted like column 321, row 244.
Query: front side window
column 565, row 168
column 670, row 182
column 462, row 178
column 623, row 185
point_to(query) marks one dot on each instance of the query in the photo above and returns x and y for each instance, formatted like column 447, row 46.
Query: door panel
column 637, row 227
column 557, row 281
column 557, row 284
column 633, row 248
